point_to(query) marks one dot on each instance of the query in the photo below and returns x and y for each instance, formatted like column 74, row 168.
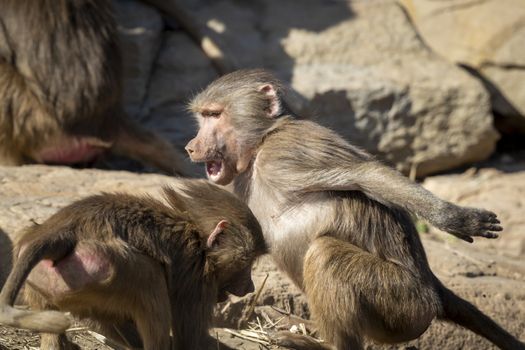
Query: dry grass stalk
column 257, row 295
column 255, row 339
column 106, row 341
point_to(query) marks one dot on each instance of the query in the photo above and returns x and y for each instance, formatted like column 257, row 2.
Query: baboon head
column 232, row 234
column 231, row 253
column 234, row 113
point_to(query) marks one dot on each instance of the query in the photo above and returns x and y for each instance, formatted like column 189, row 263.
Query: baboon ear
column 275, row 108
column 212, row 238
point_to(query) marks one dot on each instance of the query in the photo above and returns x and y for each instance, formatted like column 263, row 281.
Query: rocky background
column 419, row 83
column 428, row 86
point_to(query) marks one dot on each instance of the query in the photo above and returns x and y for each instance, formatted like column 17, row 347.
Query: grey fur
column 337, row 220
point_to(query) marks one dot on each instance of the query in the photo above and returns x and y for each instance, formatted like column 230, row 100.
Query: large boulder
column 181, row 70
column 487, row 36
column 364, row 72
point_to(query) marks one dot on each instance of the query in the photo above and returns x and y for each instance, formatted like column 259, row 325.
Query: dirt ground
column 490, row 274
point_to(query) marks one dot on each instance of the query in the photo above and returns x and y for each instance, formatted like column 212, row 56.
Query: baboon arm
column 377, row 181
column 305, row 171
column 382, row 184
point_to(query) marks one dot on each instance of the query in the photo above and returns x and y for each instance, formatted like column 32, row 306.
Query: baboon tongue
column 213, row 168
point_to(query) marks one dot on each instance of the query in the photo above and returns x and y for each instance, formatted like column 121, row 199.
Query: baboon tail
column 467, row 315
column 41, row 321
column 136, row 142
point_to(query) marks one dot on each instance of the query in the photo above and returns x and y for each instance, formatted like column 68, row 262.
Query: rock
column 140, row 32
column 488, row 36
column 367, row 74
column 489, row 279
column 32, row 193
column 385, row 111
column 181, row 70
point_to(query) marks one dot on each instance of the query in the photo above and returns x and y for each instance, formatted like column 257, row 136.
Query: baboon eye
column 211, row 114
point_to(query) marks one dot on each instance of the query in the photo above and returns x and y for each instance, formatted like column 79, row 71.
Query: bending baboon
column 116, row 257
column 60, row 87
column 336, row 220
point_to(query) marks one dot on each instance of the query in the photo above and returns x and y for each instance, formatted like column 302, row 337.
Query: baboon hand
column 465, row 223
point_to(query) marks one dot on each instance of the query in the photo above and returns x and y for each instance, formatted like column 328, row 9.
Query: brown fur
column 335, row 219
column 60, row 87
column 117, row 257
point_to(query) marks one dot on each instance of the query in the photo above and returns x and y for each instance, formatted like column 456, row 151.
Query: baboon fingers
column 474, row 222
column 489, row 230
column 485, row 233
column 465, row 238
column 486, row 216
column 490, row 225
column 488, row 234
column 494, row 227
column 494, row 220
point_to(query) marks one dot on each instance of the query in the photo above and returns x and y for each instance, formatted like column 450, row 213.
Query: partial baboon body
column 335, row 219
column 60, row 87
column 117, row 257
column 389, row 287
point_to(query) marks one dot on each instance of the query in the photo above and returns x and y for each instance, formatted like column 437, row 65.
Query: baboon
column 117, row 257
column 335, row 219
column 60, row 87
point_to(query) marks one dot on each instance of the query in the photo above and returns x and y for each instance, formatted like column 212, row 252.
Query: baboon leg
column 353, row 293
column 348, row 342
column 154, row 327
column 136, row 142
column 123, row 333
column 152, row 312
column 48, row 341
column 126, row 334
